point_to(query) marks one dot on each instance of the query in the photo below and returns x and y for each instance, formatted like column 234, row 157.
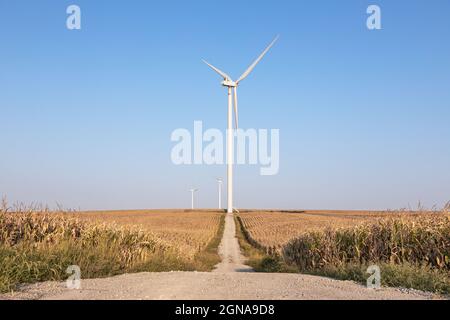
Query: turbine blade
column 223, row 74
column 236, row 114
column 253, row 65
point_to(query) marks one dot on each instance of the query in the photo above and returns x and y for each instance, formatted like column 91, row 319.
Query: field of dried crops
column 186, row 231
column 40, row 245
column 417, row 239
column 412, row 249
column 271, row 230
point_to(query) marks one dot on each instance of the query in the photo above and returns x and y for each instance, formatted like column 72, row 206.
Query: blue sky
column 86, row 116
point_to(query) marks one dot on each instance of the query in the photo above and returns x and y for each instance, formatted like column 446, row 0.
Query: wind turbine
column 192, row 197
column 220, row 182
column 232, row 92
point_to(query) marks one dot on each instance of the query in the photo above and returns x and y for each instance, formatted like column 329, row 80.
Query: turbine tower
column 192, row 197
column 220, row 182
column 232, row 93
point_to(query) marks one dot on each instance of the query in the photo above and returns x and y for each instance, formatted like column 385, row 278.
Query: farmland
column 412, row 249
column 39, row 245
column 183, row 230
column 272, row 229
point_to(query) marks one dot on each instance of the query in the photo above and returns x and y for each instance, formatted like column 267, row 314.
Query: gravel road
column 229, row 250
column 231, row 279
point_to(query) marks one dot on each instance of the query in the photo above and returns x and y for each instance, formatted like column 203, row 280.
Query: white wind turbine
column 232, row 91
column 220, row 182
column 192, row 197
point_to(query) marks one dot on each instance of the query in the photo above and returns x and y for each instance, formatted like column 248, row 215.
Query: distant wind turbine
column 192, row 197
column 232, row 91
column 220, row 182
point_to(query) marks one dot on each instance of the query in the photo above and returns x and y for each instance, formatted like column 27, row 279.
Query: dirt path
column 230, row 280
column 229, row 250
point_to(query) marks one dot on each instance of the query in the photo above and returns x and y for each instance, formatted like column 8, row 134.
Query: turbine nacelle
column 229, row 83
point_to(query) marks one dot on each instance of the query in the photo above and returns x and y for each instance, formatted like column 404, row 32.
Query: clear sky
column 86, row 116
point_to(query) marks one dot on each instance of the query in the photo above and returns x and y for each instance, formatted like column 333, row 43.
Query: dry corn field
column 421, row 239
column 186, row 231
column 411, row 249
column 39, row 245
column 271, row 230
